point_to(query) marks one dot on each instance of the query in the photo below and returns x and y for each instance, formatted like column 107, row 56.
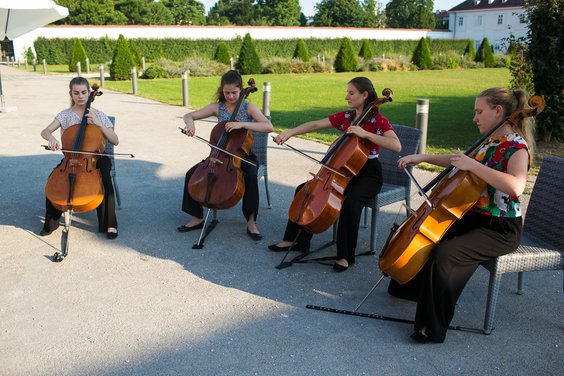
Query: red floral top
column 377, row 124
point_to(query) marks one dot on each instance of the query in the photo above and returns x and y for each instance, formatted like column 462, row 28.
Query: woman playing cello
column 378, row 132
column 249, row 117
column 491, row 228
column 79, row 94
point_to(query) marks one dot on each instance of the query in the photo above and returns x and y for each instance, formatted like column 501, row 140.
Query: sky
column 309, row 10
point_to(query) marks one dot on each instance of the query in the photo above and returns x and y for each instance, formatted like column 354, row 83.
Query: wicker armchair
column 542, row 245
column 397, row 185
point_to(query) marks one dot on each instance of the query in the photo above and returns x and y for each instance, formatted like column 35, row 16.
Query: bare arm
column 210, row 110
column 47, row 134
column 415, row 159
column 388, row 140
column 109, row 133
column 310, row 126
column 260, row 122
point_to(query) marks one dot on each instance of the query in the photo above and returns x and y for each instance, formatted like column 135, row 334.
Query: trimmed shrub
column 366, row 51
column 200, row 66
column 78, row 54
column 135, row 54
column 29, row 56
column 301, row 51
column 422, row 55
column 122, row 61
column 469, row 50
column 345, row 61
column 155, row 71
column 485, row 54
column 222, row 54
column 249, row 61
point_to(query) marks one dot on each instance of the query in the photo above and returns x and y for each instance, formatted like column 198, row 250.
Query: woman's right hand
column 54, row 143
column 410, row 160
column 283, row 137
column 189, row 129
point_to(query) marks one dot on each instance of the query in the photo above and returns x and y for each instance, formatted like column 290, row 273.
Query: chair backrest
column 110, row 148
column 543, row 220
column 260, row 147
column 409, row 138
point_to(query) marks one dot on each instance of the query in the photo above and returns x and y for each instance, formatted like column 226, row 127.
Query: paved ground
column 148, row 304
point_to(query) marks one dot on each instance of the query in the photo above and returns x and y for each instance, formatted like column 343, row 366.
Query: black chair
column 542, row 245
column 110, row 150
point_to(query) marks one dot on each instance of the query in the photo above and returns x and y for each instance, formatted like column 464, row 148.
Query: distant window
column 460, row 21
column 500, row 19
column 479, row 21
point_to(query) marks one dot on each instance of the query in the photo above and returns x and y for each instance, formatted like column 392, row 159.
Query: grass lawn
column 297, row 98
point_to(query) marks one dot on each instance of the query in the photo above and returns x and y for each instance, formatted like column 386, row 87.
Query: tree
column 366, row 51
column 91, row 12
column 222, row 54
column 521, row 70
column 78, row 54
column 422, row 55
column 249, row 61
column 122, row 61
column 301, row 51
column 186, row 12
column 410, row 14
column 345, row 61
column 235, row 12
column 485, row 54
column 469, row 50
column 545, row 46
column 281, row 12
column 339, row 13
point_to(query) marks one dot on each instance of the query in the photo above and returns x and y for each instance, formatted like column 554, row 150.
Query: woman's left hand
column 358, row 131
column 462, row 161
column 232, row 125
column 92, row 115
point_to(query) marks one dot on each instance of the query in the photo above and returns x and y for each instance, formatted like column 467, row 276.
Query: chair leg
column 365, row 217
column 493, row 290
column 520, row 283
column 267, row 192
column 116, row 191
column 373, row 230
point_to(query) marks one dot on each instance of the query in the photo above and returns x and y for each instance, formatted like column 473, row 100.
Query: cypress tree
column 122, row 61
column 345, row 61
column 469, row 50
column 222, row 54
column 249, row 61
column 366, row 51
column 301, row 51
column 422, row 55
column 77, row 54
column 485, row 54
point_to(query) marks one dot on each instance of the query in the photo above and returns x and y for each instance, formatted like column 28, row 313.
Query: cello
column 454, row 193
column 318, row 203
column 75, row 185
column 218, row 181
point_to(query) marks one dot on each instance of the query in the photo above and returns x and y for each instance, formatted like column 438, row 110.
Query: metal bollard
column 44, row 67
column 101, row 74
column 134, row 80
column 422, row 118
column 143, row 63
column 231, row 62
column 266, row 99
column 25, row 62
column 78, row 71
column 87, row 65
column 19, row 66
column 34, row 65
column 185, row 88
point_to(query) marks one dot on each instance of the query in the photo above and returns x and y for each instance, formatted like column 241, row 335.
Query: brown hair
column 229, row 78
column 78, row 81
column 511, row 101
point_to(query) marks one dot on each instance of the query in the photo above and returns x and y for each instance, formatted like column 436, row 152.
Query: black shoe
column 44, row 232
column 184, row 228
column 254, row 235
column 339, row 268
column 420, row 337
column 112, row 235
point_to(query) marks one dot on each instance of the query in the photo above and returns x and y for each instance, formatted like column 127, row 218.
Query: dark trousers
column 106, row 211
column 360, row 190
column 250, row 196
column 472, row 240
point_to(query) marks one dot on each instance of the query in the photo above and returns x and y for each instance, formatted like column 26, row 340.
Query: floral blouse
column 68, row 118
column 495, row 153
column 242, row 116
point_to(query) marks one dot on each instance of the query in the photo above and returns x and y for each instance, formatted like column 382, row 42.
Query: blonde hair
column 511, row 101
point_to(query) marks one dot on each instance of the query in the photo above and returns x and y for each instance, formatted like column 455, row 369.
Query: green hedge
column 58, row 50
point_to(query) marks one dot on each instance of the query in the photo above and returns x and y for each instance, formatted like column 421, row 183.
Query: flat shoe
column 111, row 235
column 339, row 268
column 275, row 248
column 254, row 235
column 184, row 228
column 420, row 337
column 44, row 232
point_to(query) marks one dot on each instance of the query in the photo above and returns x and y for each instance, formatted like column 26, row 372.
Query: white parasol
column 18, row 17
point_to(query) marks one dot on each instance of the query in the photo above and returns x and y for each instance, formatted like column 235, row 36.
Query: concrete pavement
column 148, row 304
